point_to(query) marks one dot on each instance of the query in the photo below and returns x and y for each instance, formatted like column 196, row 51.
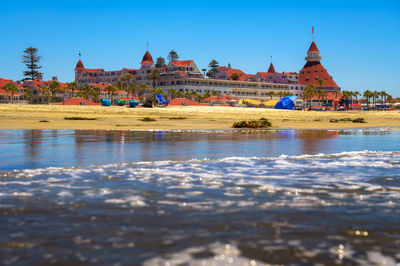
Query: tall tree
column 213, row 65
column 154, row 75
column 160, row 62
column 110, row 89
column 72, row 86
column 308, row 93
column 321, row 94
column 172, row 56
column 31, row 58
column 54, row 87
column 271, row 94
column 10, row 87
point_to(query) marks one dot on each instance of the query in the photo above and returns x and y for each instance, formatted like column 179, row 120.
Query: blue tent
column 160, row 99
column 286, row 103
column 105, row 102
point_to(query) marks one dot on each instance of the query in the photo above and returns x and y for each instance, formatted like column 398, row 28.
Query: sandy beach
column 115, row 117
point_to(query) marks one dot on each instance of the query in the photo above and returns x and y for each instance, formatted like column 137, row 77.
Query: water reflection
column 44, row 148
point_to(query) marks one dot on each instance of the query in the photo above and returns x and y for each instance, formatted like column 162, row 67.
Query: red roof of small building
column 78, row 101
column 312, row 71
column 79, row 65
column 147, row 58
column 181, row 63
column 313, row 47
column 271, row 69
column 184, row 102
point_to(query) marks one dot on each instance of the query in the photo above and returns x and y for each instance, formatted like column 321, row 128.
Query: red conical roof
column 147, row 58
column 271, row 68
column 313, row 48
column 79, row 65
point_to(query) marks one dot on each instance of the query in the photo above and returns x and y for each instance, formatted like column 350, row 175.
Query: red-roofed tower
column 147, row 61
column 313, row 71
column 79, row 65
column 313, row 53
column 271, row 69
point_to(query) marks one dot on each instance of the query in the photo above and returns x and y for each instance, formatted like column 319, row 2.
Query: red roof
column 79, row 65
column 5, row 81
column 230, row 71
column 271, row 68
column 79, row 101
column 181, row 63
column 94, row 70
column 184, row 102
column 312, row 71
column 147, row 58
column 313, row 48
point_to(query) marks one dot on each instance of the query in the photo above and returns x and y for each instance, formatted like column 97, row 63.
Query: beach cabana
column 286, row 103
column 105, row 102
column 271, row 103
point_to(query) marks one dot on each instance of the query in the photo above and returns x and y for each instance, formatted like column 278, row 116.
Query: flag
column 312, row 31
column 79, row 54
column 147, row 45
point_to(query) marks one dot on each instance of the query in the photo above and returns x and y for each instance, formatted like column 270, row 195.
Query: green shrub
column 177, row 118
column 262, row 123
column 147, row 119
column 79, row 118
column 359, row 120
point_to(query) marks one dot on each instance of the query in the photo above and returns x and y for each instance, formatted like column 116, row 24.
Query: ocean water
column 229, row 197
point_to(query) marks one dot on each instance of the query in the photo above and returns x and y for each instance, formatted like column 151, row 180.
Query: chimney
column 40, row 77
column 54, row 79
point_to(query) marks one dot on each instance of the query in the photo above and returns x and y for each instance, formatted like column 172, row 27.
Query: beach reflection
column 64, row 148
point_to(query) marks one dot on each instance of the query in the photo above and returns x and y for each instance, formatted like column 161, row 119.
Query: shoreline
column 19, row 116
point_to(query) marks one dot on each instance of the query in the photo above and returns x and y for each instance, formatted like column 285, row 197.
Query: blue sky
column 359, row 40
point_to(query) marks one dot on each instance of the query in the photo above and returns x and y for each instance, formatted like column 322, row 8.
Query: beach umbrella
column 286, row 103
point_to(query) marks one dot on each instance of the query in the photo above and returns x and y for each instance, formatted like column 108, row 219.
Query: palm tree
column 130, row 87
column 193, row 95
column 356, row 93
column 54, row 87
column 172, row 93
column 271, row 94
column 321, row 94
column 28, row 95
column 94, row 93
column 72, row 86
column 308, row 93
column 367, row 95
column 320, row 82
column 154, row 75
column 214, row 93
column 110, row 89
column 47, row 93
column 143, row 91
column 11, row 87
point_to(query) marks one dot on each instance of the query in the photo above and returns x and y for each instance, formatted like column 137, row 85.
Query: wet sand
column 190, row 117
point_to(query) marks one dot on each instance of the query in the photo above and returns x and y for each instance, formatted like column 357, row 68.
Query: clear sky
column 359, row 40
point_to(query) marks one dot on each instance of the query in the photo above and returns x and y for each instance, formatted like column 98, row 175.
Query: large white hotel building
column 186, row 77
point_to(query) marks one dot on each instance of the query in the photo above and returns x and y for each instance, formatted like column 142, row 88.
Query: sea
column 200, row 197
